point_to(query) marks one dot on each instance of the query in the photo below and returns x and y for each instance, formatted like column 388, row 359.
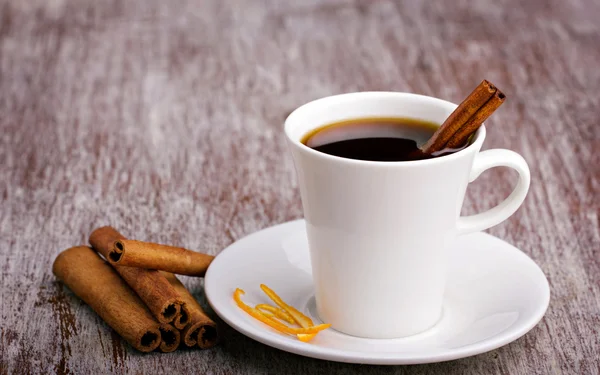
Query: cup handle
column 484, row 161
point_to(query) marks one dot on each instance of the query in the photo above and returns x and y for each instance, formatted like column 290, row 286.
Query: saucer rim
column 275, row 340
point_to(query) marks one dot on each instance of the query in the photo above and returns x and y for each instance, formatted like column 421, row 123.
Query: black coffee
column 374, row 139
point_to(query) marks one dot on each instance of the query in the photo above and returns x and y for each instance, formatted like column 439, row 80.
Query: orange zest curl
column 268, row 315
column 273, row 311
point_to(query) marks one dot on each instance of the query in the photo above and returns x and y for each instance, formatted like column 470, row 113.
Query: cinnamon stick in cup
column 461, row 115
column 202, row 330
column 152, row 287
column 149, row 255
column 471, row 125
column 98, row 284
column 170, row 338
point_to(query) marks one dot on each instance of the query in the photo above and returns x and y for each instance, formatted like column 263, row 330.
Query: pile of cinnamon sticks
column 134, row 291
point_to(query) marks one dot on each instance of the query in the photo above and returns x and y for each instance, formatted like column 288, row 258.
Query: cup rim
column 473, row 147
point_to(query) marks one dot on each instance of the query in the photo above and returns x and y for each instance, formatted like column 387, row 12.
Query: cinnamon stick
column 476, row 99
column 183, row 318
column 97, row 284
column 468, row 128
column 202, row 330
column 152, row 287
column 170, row 338
column 149, row 255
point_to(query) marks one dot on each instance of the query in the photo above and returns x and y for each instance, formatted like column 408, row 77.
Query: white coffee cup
column 378, row 232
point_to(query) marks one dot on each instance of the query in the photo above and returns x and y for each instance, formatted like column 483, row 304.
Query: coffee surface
column 373, row 139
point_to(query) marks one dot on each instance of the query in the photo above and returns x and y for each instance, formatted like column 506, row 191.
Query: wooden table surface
column 164, row 119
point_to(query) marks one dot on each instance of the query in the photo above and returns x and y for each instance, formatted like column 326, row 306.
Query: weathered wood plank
column 164, row 119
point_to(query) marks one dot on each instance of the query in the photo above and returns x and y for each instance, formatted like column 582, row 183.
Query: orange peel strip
column 276, row 312
column 267, row 314
column 237, row 297
column 305, row 337
column 301, row 319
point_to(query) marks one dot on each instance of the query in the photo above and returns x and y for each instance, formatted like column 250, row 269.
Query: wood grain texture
column 164, row 119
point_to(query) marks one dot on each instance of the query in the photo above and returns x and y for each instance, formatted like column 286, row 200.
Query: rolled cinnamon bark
column 170, row 338
column 154, row 256
column 471, row 125
column 183, row 317
column 97, row 284
column 476, row 99
column 201, row 330
column 152, row 287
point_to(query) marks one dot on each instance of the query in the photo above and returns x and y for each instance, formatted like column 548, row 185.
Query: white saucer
column 494, row 295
